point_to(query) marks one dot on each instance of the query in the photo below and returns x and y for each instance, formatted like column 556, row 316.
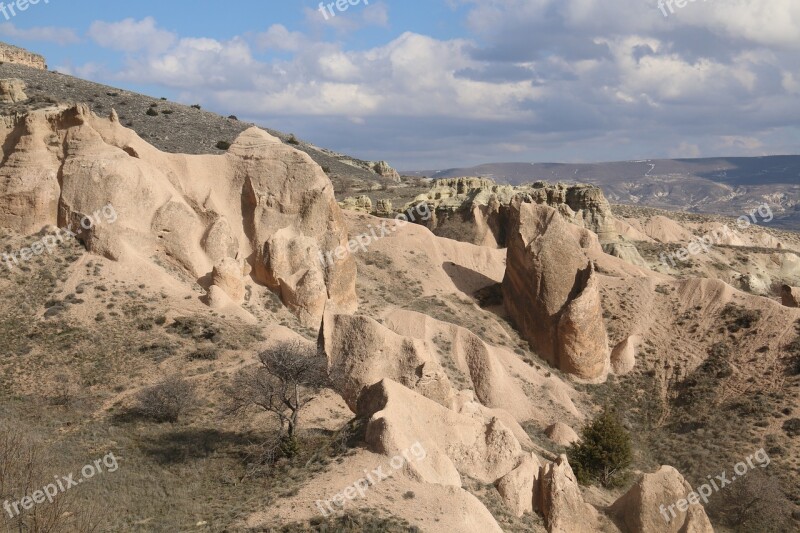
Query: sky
column 434, row 84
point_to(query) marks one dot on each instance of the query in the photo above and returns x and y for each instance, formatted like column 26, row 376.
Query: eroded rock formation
column 262, row 201
column 550, row 291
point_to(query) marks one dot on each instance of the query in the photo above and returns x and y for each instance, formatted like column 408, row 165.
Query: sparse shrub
column 792, row 427
column 287, row 378
column 196, row 106
column 204, row 354
column 223, row 145
column 293, row 140
column 738, row 318
column 167, row 400
column 603, row 453
column 152, row 112
column 167, row 112
column 233, row 117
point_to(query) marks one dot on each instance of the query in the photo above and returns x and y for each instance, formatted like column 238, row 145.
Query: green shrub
column 152, row 112
column 293, row 140
column 603, row 453
column 223, row 145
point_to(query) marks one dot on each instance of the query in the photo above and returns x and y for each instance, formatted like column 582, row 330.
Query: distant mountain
column 726, row 186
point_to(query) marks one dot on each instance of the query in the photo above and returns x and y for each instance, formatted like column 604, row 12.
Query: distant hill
column 715, row 185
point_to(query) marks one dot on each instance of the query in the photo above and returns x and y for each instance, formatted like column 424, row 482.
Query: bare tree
column 286, row 379
column 22, row 471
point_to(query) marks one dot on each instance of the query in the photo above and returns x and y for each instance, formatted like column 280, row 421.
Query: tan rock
column 561, row 434
column 645, row 508
column 790, row 296
column 454, row 443
column 12, row 91
column 516, row 487
column 623, row 356
column 550, row 290
column 361, row 352
column 20, row 56
column 561, row 501
column 227, row 275
column 262, row 200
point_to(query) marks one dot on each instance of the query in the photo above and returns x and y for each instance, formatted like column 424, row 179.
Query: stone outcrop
column 361, row 352
column 790, row 296
column 362, row 204
column 382, row 168
column 623, row 356
column 454, row 443
column 561, row 434
column 383, row 208
column 262, row 200
column 227, row 275
column 12, row 90
column 650, row 506
column 551, row 292
column 476, row 210
column 20, row 56
column 561, row 502
column 517, row 487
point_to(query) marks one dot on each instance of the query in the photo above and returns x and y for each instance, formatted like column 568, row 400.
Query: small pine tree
column 603, row 453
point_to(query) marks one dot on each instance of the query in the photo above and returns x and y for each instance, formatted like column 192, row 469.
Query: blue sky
column 442, row 83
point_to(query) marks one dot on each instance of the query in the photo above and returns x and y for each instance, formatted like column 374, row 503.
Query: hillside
column 176, row 128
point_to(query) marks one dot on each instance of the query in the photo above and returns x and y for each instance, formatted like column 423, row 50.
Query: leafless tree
column 22, row 462
column 286, row 379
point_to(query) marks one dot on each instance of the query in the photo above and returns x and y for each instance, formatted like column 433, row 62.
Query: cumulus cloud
column 543, row 79
column 131, row 35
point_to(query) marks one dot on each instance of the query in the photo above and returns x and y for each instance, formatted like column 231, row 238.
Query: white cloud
column 131, row 35
column 62, row 36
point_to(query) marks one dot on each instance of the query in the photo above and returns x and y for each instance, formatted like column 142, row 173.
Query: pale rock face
column 517, row 487
column 551, row 292
column 362, row 204
column 262, row 200
column 623, row 356
column 561, row 434
column 361, row 352
column 227, row 275
column 455, row 444
column 382, row 168
column 12, row 91
column 641, row 507
column 561, row 501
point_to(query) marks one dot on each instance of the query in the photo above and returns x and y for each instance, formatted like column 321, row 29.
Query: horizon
column 455, row 83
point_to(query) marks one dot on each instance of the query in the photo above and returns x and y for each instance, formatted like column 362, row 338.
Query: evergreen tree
column 603, row 453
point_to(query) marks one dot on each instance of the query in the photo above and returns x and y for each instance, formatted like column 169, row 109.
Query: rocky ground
column 474, row 357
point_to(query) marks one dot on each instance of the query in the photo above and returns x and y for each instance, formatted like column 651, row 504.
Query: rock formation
column 20, row 56
column 561, row 434
column 361, row 352
column 790, row 296
column 361, row 204
column 550, row 291
column 476, row 210
column 561, row 502
column 651, row 505
column 382, row 168
column 12, row 90
column 454, row 443
column 517, row 487
column 262, row 200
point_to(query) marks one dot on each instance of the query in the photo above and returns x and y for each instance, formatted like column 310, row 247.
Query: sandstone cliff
column 263, row 204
